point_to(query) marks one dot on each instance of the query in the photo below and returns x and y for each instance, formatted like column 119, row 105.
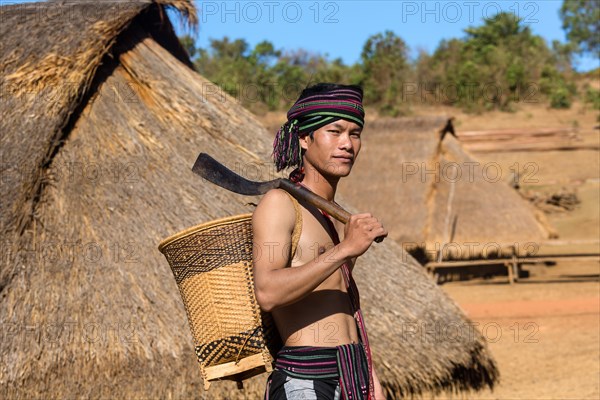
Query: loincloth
column 305, row 372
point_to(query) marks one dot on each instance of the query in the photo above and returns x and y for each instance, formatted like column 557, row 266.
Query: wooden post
column 513, row 267
column 511, row 278
column 447, row 231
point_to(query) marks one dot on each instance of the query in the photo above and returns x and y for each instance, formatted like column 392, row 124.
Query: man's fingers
column 372, row 224
column 367, row 220
column 360, row 217
column 369, row 225
column 375, row 233
column 380, row 230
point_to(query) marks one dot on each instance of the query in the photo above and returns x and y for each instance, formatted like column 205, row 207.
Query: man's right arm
column 275, row 285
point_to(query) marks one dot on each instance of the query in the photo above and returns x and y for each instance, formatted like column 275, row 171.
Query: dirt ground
column 544, row 331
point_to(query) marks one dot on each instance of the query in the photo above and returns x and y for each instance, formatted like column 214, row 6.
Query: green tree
column 385, row 68
column 226, row 64
column 563, row 56
column 493, row 66
column 581, row 21
column 264, row 77
column 502, row 49
column 265, row 54
column 189, row 44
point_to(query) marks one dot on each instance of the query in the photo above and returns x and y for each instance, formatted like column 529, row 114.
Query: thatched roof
column 411, row 191
column 94, row 178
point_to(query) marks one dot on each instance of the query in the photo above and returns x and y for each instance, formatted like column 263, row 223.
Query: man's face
column 334, row 148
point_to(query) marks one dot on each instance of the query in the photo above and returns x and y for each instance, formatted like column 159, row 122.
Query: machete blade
column 215, row 172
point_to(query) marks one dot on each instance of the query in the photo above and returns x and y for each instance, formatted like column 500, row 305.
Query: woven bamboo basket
column 212, row 265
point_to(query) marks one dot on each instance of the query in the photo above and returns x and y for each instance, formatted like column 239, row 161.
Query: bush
column 389, row 110
column 553, row 84
column 560, row 98
column 592, row 96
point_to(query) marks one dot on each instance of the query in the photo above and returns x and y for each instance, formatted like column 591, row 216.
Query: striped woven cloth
column 313, row 112
column 355, row 300
column 348, row 363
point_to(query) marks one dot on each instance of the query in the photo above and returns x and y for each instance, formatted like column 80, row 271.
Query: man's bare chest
column 315, row 240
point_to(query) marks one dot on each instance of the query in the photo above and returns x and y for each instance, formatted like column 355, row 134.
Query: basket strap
column 297, row 225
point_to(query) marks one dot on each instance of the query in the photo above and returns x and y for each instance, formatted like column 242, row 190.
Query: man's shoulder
column 277, row 198
column 276, row 206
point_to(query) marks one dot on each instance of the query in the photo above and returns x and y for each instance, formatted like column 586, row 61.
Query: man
column 311, row 294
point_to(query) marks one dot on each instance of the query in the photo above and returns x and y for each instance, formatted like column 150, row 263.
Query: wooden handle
column 301, row 193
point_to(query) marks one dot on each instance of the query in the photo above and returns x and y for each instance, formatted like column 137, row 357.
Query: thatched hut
column 102, row 118
column 433, row 195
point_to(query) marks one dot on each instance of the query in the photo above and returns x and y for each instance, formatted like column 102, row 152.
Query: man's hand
column 360, row 232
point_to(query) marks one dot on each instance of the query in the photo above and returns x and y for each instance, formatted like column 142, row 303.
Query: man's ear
column 304, row 141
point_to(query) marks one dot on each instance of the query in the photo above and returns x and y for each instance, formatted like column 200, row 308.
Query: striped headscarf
column 318, row 105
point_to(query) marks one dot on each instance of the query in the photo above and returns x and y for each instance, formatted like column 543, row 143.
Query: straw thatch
column 482, row 215
column 95, row 176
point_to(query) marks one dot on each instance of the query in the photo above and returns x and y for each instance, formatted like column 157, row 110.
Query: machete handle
column 329, row 207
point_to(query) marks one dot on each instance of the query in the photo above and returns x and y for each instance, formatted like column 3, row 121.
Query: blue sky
column 340, row 28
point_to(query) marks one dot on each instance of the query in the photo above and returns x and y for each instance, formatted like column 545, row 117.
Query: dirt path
column 544, row 332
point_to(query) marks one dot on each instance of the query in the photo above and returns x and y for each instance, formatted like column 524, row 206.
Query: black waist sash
column 347, row 363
